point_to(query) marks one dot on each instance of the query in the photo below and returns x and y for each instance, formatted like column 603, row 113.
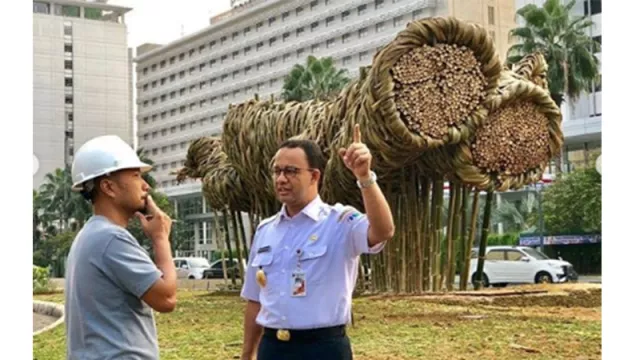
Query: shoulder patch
column 349, row 214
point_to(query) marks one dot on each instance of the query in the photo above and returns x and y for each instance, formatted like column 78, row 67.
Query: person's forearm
column 381, row 227
column 252, row 331
column 164, row 261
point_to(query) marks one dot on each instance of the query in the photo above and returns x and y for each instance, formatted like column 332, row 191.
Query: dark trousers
column 330, row 348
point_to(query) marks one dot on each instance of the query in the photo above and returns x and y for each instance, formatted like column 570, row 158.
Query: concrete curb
column 50, row 309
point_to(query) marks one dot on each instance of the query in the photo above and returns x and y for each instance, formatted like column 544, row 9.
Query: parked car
column 191, row 267
column 215, row 270
column 520, row 265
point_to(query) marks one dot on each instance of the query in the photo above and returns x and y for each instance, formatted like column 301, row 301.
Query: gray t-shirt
column 107, row 274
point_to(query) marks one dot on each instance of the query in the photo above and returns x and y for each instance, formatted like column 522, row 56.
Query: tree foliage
column 568, row 49
column 317, row 79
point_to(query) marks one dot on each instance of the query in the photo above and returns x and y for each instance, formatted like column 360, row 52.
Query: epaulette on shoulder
column 349, row 213
column 266, row 221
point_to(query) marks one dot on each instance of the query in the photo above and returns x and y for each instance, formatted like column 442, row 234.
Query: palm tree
column 142, row 155
column 515, row 217
column 59, row 202
column 319, row 79
column 568, row 50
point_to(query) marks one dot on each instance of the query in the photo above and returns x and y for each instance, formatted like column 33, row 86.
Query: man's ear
column 107, row 187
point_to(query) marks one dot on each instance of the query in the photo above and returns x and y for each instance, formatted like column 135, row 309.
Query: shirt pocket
column 314, row 261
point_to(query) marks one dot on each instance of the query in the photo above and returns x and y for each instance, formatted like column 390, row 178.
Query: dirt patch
column 548, row 295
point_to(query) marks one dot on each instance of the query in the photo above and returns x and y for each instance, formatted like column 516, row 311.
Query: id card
column 298, row 284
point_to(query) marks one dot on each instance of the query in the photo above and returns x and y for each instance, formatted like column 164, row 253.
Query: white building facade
column 81, row 79
column 184, row 88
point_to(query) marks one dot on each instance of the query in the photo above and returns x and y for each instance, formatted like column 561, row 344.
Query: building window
column 223, row 58
column 68, row 82
column 247, row 49
column 314, row 25
column 397, row 21
column 259, row 65
column 259, row 25
column 345, row 15
column 272, row 20
column 235, row 54
column 362, row 9
column 285, row 15
column 329, row 20
column 68, row 48
column 272, row 41
column 363, row 55
column 234, row 35
column 182, row 74
column 299, row 53
column 379, row 27
column 223, row 39
column 246, row 31
column 285, row 36
column 181, row 57
column 183, row 127
column 272, row 61
column 592, row 7
column 286, row 57
column 299, row 10
column 173, row 129
column 68, row 64
column 346, row 60
column 172, row 60
column 191, row 52
column 173, row 112
column 379, row 4
column 163, row 115
column 492, row 15
column 154, row 84
column 362, row 33
column 330, row 43
column 70, row 11
column 416, row 14
column 315, row 48
column 212, row 44
column 41, row 8
column 313, row 4
column 247, row 70
column 299, row 31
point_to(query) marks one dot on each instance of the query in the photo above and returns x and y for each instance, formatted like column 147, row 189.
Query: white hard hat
column 103, row 155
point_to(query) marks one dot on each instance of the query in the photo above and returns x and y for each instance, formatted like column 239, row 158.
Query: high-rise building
column 184, row 88
column 81, row 78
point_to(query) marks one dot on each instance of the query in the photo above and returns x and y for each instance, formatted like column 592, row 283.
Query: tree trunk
column 486, row 221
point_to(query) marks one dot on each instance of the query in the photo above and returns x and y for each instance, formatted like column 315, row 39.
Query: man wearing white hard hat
column 111, row 283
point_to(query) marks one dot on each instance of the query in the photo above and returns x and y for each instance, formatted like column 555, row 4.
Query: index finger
column 356, row 134
column 152, row 208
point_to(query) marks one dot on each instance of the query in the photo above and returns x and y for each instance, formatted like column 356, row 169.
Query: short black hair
column 311, row 150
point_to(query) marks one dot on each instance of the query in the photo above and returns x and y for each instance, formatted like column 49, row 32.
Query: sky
column 153, row 21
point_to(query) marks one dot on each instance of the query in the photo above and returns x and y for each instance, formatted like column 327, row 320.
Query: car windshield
column 535, row 254
column 199, row 263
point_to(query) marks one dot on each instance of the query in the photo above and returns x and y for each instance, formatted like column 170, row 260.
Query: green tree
column 574, row 203
column 59, row 204
column 148, row 177
column 317, row 79
column 552, row 30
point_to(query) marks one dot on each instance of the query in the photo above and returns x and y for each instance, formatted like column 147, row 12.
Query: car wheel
column 191, row 277
column 543, row 277
column 485, row 280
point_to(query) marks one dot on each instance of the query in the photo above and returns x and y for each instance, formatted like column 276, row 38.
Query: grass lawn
column 209, row 326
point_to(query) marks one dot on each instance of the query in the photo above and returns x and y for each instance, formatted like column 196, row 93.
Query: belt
column 307, row 335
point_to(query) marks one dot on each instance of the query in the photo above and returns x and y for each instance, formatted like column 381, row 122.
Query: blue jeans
column 333, row 348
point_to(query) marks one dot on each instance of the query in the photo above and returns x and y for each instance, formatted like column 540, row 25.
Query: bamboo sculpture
column 437, row 108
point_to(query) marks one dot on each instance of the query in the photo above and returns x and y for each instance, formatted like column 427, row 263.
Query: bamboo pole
column 463, row 232
column 453, row 193
column 472, row 234
column 227, row 233
column 455, row 235
column 486, row 220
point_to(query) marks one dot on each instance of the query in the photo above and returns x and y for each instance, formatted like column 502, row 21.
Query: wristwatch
column 372, row 180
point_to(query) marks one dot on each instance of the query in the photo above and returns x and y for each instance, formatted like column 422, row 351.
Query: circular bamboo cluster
column 437, row 87
column 516, row 142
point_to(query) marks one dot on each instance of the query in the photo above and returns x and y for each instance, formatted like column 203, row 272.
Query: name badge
column 264, row 249
column 298, row 284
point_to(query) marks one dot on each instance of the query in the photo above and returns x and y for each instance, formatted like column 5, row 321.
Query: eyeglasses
column 288, row 171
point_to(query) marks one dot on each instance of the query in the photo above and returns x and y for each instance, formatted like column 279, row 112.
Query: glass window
column 495, row 255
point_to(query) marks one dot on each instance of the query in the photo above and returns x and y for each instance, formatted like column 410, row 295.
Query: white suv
column 520, row 264
column 190, row 267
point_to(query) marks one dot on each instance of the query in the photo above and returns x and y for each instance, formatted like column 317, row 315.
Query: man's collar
column 312, row 210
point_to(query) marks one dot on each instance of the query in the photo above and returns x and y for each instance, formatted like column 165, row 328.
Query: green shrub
column 40, row 280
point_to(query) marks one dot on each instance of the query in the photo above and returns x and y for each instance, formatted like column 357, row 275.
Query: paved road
column 40, row 321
